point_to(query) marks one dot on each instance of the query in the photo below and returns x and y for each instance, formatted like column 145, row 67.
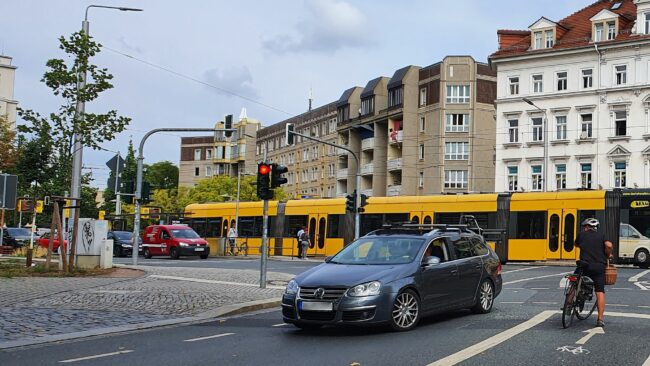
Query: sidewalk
column 37, row 310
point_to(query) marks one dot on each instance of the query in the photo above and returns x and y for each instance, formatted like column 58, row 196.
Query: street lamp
column 544, row 125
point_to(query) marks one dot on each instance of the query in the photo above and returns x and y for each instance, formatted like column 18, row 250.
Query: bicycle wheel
column 569, row 302
column 586, row 305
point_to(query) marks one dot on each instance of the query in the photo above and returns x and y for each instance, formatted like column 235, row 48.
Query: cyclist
column 595, row 249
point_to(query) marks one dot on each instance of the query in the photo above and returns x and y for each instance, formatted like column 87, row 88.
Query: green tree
column 130, row 165
column 7, row 144
column 34, row 165
column 162, row 175
column 171, row 200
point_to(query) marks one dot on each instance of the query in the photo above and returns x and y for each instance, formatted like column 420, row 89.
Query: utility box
column 91, row 242
column 106, row 257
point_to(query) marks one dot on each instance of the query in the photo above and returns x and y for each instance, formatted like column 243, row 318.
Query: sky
column 189, row 63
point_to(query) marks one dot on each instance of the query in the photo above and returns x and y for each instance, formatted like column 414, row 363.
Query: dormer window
column 549, row 39
column 538, row 40
column 543, row 33
column 598, row 35
column 604, row 26
column 367, row 106
column 611, row 30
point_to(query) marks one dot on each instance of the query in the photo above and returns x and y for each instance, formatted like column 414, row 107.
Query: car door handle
column 454, row 271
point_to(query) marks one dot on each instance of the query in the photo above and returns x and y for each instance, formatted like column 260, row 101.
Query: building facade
column 312, row 166
column 206, row 156
column 7, row 103
column 573, row 102
column 422, row 131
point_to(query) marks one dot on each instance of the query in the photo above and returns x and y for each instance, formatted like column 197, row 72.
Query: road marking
column 575, row 350
column 280, row 325
column 622, row 288
column 642, row 285
column 628, row 315
column 637, row 276
column 618, row 305
column 590, row 333
column 544, row 302
column 494, row 340
column 96, row 356
column 647, row 362
column 535, row 278
column 522, row 269
column 200, row 280
column 209, row 337
column 644, row 306
column 511, row 302
column 539, row 288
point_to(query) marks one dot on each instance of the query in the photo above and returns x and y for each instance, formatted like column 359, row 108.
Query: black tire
column 147, row 253
column 484, row 298
column 203, row 256
column 585, row 310
column 308, row 326
column 642, row 258
column 567, row 309
column 173, row 252
column 405, row 313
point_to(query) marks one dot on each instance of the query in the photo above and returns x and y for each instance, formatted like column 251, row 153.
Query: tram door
column 317, row 234
column 421, row 217
column 561, row 234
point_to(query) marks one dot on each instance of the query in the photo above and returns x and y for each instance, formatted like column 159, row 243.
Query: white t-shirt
column 232, row 233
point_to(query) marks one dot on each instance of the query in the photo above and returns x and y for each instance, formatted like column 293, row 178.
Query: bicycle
column 579, row 297
column 242, row 248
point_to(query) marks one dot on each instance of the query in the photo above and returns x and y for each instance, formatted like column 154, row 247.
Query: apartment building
column 7, row 102
column 573, row 100
column 206, row 156
column 312, row 166
column 422, row 131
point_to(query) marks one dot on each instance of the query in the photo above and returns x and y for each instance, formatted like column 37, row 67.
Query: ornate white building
column 7, row 102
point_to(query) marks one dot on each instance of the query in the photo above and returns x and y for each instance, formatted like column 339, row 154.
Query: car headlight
column 365, row 289
column 292, row 287
column 183, row 244
column 127, row 246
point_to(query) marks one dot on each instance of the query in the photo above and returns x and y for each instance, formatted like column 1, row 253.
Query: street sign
column 8, row 184
column 110, row 184
column 39, row 206
column 111, row 164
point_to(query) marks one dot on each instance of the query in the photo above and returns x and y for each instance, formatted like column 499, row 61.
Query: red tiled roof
column 578, row 30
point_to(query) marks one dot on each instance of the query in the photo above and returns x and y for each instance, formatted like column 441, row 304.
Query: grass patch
column 38, row 252
column 11, row 268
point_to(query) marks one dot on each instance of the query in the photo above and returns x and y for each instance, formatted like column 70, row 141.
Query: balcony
column 395, row 164
column 394, row 191
column 342, row 174
column 367, row 144
column 367, row 169
column 395, row 137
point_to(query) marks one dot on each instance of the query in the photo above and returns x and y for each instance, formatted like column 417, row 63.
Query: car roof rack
column 427, row 227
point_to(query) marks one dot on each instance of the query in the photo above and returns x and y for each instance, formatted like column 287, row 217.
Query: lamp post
column 545, row 134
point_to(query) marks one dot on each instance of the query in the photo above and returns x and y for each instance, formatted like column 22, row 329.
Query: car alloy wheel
column 485, row 297
column 406, row 311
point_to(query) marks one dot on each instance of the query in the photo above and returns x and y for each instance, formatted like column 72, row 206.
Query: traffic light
column 228, row 125
column 276, row 175
column 264, row 191
column 288, row 134
column 364, row 201
column 145, row 195
column 351, row 202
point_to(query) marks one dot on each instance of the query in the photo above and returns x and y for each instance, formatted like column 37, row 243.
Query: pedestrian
column 595, row 249
column 232, row 238
column 304, row 243
column 298, row 244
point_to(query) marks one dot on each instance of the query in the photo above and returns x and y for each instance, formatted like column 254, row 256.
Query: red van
column 174, row 241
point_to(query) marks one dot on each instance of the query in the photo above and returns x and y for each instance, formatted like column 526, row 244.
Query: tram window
column 484, row 219
column 528, row 225
column 554, row 241
column 427, row 220
column 250, row 226
column 396, row 218
column 293, row 224
column 415, row 219
column 335, row 226
column 370, row 222
column 569, row 232
column 214, row 228
column 199, row 225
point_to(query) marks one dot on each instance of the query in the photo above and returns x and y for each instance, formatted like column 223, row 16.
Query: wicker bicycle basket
column 610, row 274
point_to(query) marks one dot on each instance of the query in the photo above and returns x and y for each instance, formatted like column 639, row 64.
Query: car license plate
column 199, row 249
column 315, row 305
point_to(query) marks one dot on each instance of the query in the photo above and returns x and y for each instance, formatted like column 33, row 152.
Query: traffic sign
column 111, row 164
column 39, row 206
column 8, row 184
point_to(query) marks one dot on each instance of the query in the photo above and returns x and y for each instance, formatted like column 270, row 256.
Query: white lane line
column 641, row 285
column 96, row 356
column 539, row 288
column 647, row 362
column 280, row 325
column 200, row 280
column 535, row 278
column 628, row 315
column 644, row 306
column 637, row 276
column 522, row 269
column 494, row 340
column 209, row 337
column 545, row 302
column 622, row 288
column 619, row 305
column 511, row 302
column 515, row 288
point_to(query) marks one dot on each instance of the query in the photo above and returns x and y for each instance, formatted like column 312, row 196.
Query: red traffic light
column 263, row 169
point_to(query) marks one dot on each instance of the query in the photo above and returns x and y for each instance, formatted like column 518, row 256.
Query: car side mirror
column 636, row 236
column 431, row 261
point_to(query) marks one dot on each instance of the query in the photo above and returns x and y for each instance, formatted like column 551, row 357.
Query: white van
column 633, row 246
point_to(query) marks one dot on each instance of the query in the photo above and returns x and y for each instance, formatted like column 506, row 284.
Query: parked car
column 122, row 242
column 396, row 276
column 174, row 241
column 16, row 237
column 44, row 241
column 633, row 246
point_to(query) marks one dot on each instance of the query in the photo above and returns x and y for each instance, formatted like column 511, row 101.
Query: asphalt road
column 524, row 328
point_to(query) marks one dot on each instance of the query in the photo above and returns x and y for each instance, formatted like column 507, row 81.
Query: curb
column 226, row 310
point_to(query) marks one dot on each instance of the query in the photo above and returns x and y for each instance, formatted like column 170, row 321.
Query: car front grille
column 317, row 315
column 330, row 293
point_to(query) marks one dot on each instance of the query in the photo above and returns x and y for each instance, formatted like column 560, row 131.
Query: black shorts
column 599, row 279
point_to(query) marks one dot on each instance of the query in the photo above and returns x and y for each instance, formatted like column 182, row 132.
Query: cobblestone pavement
column 36, row 307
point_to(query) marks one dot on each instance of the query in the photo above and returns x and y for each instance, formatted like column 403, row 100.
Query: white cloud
column 230, row 81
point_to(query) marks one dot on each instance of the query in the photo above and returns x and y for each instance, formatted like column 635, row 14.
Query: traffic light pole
column 357, row 213
column 138, row 185
column 265, row 235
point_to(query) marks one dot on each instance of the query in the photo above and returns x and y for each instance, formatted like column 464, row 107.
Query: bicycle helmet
column 591, row 222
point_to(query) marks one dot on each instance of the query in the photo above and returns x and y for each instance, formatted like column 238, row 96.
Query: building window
column 585, row 175
column 560, row 176
column 620, row 175
column 513, row 130
column 598, row 36
column 208, row 171
column 457, row 123
column 611, row 30
column 456, row 179
column 367, row 106
column 513, row 85
column 197, row 154
column 343, row 113
column 549, row 39
column 512, row 178
column 332, row 126
column 456, row 150
column 537, row 177
column 538, row 40
column 620, row 123
column 421, row 179
column 560, row 126
column 423, row 97
column 457, row 93
column 586, row 127
column 587, row 78
column 395, row 96
column 538, row 133
column 647, row 23
column 620, row 76
column 197, row 171
column 421, row 150
column 538, row 83
column 561, row 80
column 208, row 154
column 423, row 124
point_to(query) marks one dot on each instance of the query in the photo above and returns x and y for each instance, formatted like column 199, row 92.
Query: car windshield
column 123, row 235
column 379, row 250
column 14, row 231
column 185, row 234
